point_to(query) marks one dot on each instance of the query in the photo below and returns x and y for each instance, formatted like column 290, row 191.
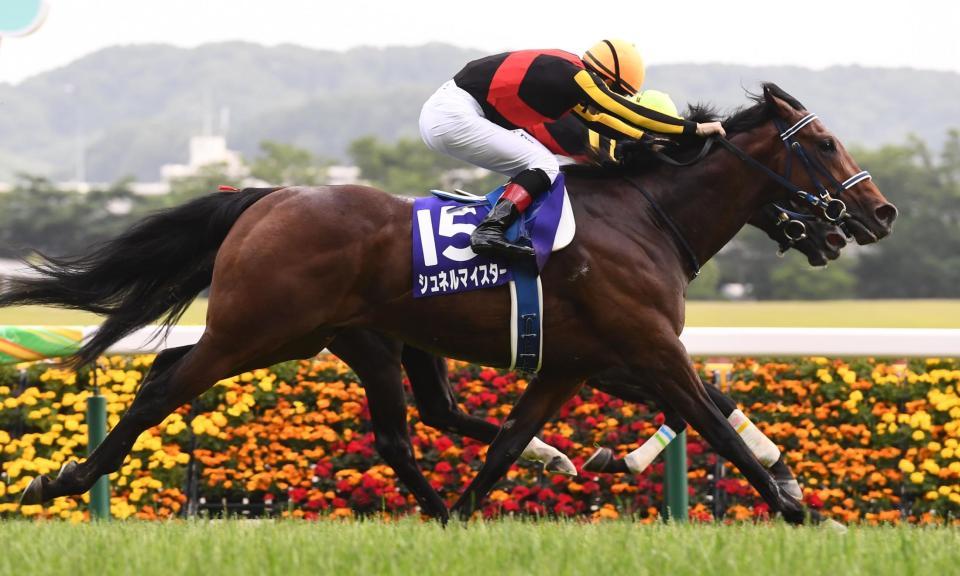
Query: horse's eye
column 828, row 145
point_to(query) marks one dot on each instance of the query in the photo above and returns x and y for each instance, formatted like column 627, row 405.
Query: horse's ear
column 778, row 105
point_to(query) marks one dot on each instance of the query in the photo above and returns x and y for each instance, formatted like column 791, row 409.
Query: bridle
column 825, row 206
column 828, row 207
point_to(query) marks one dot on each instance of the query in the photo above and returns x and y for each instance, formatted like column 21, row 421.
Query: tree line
column 920, row 260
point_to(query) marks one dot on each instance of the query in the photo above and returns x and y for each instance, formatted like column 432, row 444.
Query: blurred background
column 110, row 109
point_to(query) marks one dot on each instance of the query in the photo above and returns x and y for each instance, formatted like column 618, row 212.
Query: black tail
column 153, row 270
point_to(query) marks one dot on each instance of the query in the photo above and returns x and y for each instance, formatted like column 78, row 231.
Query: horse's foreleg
column 762, row 447
column 376, row 360
column 439, row 409
column 541, row 400
column 680, row 387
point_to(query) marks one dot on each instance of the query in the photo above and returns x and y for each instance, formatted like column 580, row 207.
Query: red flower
column 590, row 487
column 442, row 443
column 323, row 469
column 813, row 500
column 361, row 497
column 520, row 492
column 298, row 494
column 531, row 507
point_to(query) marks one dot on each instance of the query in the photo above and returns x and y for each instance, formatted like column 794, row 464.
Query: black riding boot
column 519, row 193
column 489, row 237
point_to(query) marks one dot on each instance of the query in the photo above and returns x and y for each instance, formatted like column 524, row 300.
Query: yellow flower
column 932, row 495
column 917, row 477
column 906, row 466
column 917, row 435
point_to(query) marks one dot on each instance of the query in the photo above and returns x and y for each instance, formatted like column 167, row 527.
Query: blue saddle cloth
column 443, row 262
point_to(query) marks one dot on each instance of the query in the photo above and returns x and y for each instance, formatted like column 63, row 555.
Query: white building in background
column 337, row 175
column 204, row 151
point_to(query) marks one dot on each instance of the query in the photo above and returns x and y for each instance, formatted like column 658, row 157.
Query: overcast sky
column 811, row 33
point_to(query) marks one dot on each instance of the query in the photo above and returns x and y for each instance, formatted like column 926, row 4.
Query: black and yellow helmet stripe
column 593, row 62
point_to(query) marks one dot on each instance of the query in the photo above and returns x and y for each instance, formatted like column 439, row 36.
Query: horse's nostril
column 886, row 213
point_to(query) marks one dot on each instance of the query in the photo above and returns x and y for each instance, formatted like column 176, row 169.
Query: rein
column 672, row 226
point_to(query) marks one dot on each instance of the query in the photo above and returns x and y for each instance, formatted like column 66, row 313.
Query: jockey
column 481, row 115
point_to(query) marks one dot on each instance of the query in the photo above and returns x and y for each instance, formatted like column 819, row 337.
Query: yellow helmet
column 618, row 61
column 656, row 100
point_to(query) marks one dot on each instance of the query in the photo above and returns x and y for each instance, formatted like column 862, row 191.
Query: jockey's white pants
column 452, row 122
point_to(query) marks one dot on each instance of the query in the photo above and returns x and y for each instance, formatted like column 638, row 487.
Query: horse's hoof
column 833, row 526
column 790, row 487
column 794, row 515
column 439, row 513
column 599, row 460
column 34, row 492
column 67, row 471
column 561, row 465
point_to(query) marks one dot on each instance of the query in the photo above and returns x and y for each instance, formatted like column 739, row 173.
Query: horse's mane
column 742, row 119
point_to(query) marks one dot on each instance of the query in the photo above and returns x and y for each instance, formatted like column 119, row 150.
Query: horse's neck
column 711, row 201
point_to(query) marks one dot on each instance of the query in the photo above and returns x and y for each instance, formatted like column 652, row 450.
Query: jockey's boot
column 489, row 237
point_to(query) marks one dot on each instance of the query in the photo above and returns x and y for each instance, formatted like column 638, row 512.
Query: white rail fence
column 881, row 342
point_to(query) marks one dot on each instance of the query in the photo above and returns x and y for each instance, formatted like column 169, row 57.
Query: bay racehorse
column 377, row 360
column 288, row 269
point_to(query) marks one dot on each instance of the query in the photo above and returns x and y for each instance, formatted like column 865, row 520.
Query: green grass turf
column 836, row 313
column 552, row 548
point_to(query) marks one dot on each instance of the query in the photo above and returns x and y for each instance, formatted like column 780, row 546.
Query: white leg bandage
column 552, row 459
column 638, row 460
column 761, row 446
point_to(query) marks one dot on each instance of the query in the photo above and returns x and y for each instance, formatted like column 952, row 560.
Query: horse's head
column 815, row 160
column 818, row 240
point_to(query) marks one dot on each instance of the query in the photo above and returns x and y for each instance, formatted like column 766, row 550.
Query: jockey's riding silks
column 482, row 114
column 567, row 137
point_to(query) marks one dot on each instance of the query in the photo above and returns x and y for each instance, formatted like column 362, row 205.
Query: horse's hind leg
column 78, row 478
column 376, row 361
column 541, row 400
column 178, row 376
column 439, row 409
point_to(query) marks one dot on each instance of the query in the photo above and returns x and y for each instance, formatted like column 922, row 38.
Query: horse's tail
column 153, row 270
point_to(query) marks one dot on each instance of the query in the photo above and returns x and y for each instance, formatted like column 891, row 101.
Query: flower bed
column 870, row 441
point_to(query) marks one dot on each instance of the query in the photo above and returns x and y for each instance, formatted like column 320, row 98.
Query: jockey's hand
column 709, row 129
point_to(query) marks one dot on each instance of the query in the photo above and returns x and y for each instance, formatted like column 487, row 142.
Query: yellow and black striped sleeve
column 602, row 149
column 607, row 111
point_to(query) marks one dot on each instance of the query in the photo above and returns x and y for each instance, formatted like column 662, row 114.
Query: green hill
column 138, row 105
